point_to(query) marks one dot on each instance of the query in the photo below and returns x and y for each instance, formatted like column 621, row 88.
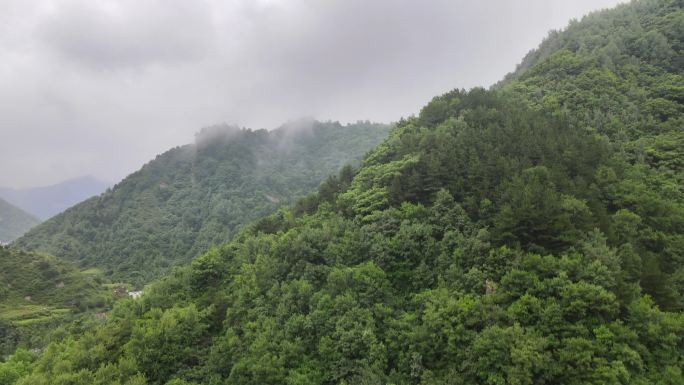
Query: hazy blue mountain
column 14, row 221
column 44, row 202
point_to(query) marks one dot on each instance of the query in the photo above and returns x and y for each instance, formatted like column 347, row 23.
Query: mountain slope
column 40, row 292
column 44, row 202
column 14, row 222
column 497, row 238
column 198, row 195
column 620, row 74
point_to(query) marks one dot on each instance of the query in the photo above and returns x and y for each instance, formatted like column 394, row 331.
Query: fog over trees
column 100, row 87
column 531, row 232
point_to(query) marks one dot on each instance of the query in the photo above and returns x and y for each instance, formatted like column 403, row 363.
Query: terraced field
column 31, row 314
column 39, row 292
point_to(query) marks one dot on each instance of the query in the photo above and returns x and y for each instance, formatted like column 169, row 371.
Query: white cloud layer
column 100, row 87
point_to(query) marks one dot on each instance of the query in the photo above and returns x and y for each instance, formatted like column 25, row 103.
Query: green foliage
column 39, row 292
column 196, row 196
column 18, row 365
column 530, row 234
column 163, row 343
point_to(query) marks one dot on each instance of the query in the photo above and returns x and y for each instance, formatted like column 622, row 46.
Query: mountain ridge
column 14, row 222
column 526, row 235
column 46, row 201
column 197, row 195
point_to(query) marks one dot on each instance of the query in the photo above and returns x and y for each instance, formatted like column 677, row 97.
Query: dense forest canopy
column 198, row 195
column 528, row 234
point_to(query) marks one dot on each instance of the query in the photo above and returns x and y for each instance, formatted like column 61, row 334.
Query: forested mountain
column 529, row 234
column 198, row 195
column 14, row 222
column 44, row 202
column 40, row 292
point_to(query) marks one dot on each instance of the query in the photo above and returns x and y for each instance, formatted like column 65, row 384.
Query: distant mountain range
column 14, row 222
column 198, row 195
column 44, row 202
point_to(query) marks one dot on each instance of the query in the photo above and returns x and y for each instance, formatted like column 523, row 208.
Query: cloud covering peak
column 101, row 87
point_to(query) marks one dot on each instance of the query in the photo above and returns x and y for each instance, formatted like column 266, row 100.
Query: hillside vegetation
column 195, row 196
column 39, row 292
column 529, row 234
column 14, row 222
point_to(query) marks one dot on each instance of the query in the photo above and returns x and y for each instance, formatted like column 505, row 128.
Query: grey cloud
column 100, row 87
column 128, row 33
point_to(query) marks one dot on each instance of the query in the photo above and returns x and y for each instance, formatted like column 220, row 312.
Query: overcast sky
column 101, row 87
